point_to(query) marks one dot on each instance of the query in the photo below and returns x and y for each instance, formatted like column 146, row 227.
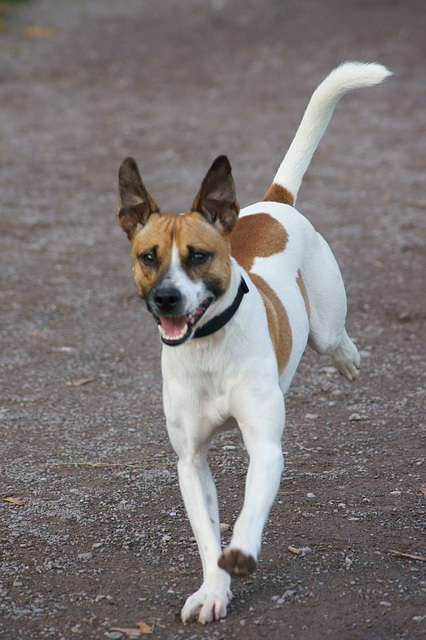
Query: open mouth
column 176, row 330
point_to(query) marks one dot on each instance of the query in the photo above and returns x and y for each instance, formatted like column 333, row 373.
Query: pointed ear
column 136, row 205
column 216, row 200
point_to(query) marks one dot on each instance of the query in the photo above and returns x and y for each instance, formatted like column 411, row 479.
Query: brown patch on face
column 194, row 232
column 278, row 322
column 304, row 292
column 155, row 237
column 259, row 235
column 188, row 231
column 277, row 193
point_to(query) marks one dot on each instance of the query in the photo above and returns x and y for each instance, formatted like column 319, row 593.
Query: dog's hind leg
column 327, row 308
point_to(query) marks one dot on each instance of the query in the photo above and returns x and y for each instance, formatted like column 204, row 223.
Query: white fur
column 231, row 376
column 350, row 75
column 192, row 291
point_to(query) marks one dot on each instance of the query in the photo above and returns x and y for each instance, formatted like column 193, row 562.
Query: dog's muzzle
column 167, row 306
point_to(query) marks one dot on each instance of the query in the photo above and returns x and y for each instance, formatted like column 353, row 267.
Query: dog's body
column 280, row 289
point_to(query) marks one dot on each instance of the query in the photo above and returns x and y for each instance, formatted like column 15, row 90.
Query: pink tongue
column 173, row 327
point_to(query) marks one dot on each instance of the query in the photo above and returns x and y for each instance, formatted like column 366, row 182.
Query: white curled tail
column 350, row 75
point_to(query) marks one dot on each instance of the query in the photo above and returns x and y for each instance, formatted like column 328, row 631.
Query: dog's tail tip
column 370, row 73
column 344, row 78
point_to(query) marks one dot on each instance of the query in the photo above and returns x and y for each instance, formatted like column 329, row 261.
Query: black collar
column 219, row 321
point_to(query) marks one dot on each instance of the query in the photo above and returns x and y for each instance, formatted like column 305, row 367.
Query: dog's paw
column 206, row 604
column 237, row 563
column 346, row 359
column 349, row 370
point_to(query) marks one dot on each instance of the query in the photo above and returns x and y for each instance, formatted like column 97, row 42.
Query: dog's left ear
column 216, row 200
column 136, row 205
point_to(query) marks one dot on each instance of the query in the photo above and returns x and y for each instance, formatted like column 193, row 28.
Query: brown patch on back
column 258, row 235
column 304, row 292
column 278, row 322
column 277, row 193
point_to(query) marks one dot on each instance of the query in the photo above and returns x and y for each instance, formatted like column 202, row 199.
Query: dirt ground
column 99, row 538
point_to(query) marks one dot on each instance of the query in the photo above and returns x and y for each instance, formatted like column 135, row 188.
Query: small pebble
column 22, row 612
column 355, row 417
column 100, row 597
column 305, row 550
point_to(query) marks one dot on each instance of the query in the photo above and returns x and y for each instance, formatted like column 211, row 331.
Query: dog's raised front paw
column 237, row 563
column 206, row 604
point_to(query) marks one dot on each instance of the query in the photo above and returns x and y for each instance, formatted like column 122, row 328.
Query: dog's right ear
column 136, row 205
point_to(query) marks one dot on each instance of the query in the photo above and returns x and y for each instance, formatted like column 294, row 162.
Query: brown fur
column 189, row 230
column 278, row 322
column 259, row 235
column 304, row 292
column 277, row 193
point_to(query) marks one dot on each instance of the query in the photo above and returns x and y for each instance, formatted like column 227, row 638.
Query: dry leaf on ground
column 401, row 554
column 81, row 381
column 142, row 628
column 423, row 490
column 15, row 501
column 294, row 550
column 39, row 31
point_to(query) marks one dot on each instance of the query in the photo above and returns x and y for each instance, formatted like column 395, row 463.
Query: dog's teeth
column 174, row 337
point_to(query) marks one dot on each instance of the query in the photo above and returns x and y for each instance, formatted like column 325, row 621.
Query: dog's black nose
column 167, row 299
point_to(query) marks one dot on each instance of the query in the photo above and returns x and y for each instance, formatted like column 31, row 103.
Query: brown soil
column 102, row 539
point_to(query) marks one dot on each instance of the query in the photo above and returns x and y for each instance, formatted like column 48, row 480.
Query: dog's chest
column 200, row 382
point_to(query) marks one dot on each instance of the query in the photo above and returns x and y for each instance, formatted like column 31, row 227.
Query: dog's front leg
column 199, row 494
column 261, row 420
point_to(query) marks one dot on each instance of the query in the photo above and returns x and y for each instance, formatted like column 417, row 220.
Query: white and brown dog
column 237, row 296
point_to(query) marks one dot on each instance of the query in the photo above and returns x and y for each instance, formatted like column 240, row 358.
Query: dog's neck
column 228, row 298
column 218, row 321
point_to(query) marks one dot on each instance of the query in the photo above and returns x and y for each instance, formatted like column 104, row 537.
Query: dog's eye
column 148, row 258
column 199, row 257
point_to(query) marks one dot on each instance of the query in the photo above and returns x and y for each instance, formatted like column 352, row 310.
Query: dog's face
column 181, row 262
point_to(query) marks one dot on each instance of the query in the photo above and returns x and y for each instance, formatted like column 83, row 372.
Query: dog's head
column 182, row 263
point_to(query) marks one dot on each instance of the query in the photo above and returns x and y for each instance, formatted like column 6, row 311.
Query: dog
column 237, row 296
